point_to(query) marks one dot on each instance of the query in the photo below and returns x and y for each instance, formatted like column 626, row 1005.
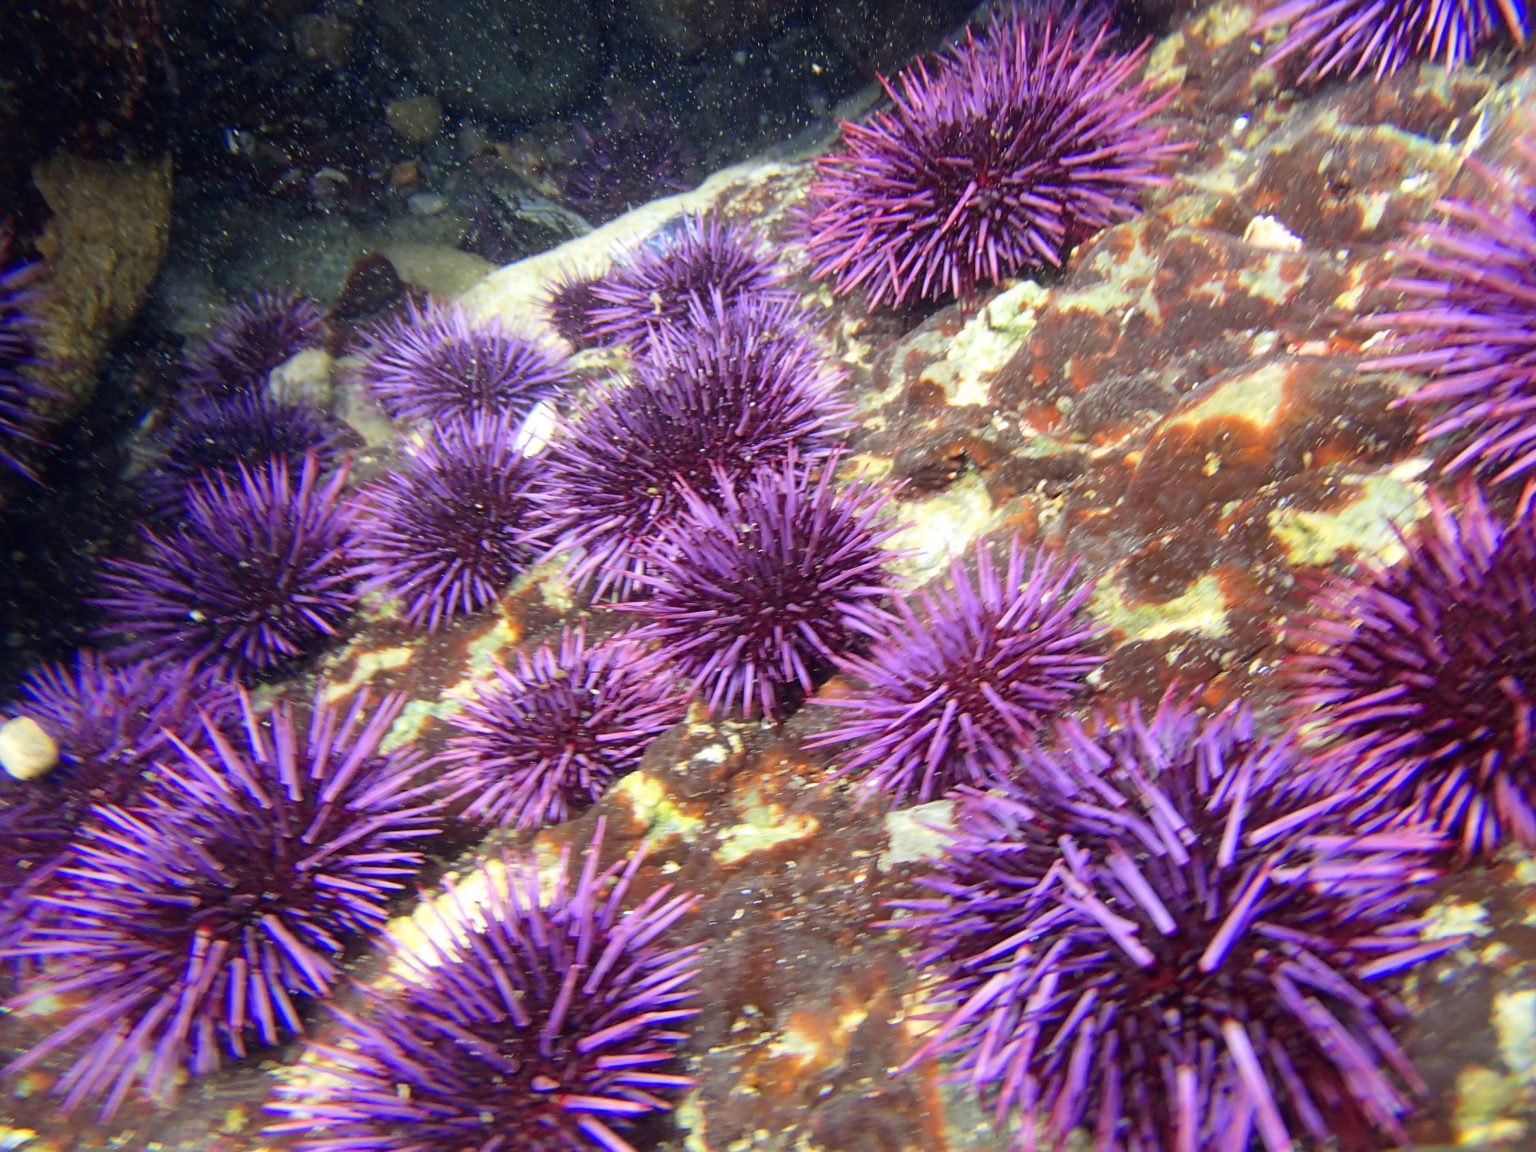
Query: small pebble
column 27, row 752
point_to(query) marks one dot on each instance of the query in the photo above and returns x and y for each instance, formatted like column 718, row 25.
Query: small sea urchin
column 537, row 1020
column 1469, row 325
column 1000, row 155
column 1160, row 940
column 250, row 339
column 1420, row 678
column 196, row 923
column 436, row 362
column 536, row 744
column 447, row 532
column 219, row 437
column 964, row 677
column 1353, row 38
column 741, row 387
column 754, row 593
column 259, row 576
column 655, row 287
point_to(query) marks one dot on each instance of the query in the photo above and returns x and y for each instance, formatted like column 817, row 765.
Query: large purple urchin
column 1420, row 678
column 964, row 677
column 1160, row 939
column 22, row 392
column 741, row 387
column 1000, row 155
column 245, row 430
column 200, row 921
column 250, row 339
column 536, row 744
column 544, row 1022
column 754, row 593
column 569, row 305
column 656, row 288
column 1469, row 325
column 436, row 362
column 259, row 576
column 447, row 532
column 1351, row 38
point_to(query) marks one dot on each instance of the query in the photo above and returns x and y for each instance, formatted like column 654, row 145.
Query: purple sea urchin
column 964, row 677
column 541, row 1022
column 1159, row 940
column 570, row 305
column 436, row 362
column 21, row 390
column 253, row 337
column 998, row 156
column 112, row 720
column 260, row 575
column 538, row 743
column 656, row 287
column 753, row 593
column 1353, row 38
column 197, row 923
column 245, row 430
column 1421, row 677
column 741, row 387
column 447, row 532
column 1469, row 325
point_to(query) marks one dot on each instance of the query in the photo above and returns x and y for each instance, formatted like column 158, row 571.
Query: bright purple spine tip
column 1352, row 38
column 1468, row 326
column 741, row 387
column 1163, row 938
column 448, row 531
column 655, row 288
column 250, row 339
column 258, row 577
column 194, row 926
column 752, row 597
column 964, row 676
column 537, row 743
column 1419, row 679
column 437, row 362
column 538, row 1019
column 996, row 157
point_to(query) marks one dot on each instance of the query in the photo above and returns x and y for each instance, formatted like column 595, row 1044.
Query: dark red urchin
column 210, row 437
column 1420, row 678
column 570, row 304
column 1469, row 325
column 538, row 743
column 259, row 575
column 250, row 339
column 656, row 287
column 1352, row 38
column 1160, row 937
column 543, row 1021
column 964, row 677
column 755, row 591
column 437, row 361
column 447, row 532
column 202, row 919
column 741, row 387
column 998, row 156
column 23, row 394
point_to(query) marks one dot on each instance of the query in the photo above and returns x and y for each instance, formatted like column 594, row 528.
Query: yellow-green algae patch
column 651, row 802
column 366, row 664
column 1201, row 609
column 941, row 527
column 1367, row 526
column 986, row 344
column 1254, row 396
column 764, row 825
column 916, row 833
